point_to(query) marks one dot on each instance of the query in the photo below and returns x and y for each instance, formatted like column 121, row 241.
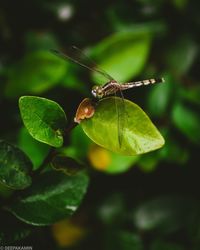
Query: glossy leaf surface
column 139, row 135
column 44, row 119
column 53, row 197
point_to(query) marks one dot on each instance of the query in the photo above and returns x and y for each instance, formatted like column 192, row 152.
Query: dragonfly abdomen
column 140, row 83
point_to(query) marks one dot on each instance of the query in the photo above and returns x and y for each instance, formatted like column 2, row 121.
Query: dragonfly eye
column 97, row 91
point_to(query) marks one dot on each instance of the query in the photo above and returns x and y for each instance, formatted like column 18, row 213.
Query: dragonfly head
column 97, row 92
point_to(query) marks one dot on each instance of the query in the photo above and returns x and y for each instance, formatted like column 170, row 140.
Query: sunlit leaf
column 44, row 119
column 15, row 167
column 139, row 135
column 53, row 197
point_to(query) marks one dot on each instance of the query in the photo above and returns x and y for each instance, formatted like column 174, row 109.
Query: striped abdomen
column 112, row 87
column 140, row 83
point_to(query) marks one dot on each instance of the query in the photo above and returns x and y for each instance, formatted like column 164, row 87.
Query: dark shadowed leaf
column 12, row 230
column 44, row 119
column 14, row 166
column 53, row 197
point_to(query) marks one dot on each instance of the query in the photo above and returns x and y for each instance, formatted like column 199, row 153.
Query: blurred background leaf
column 35, row 150
column 34, row 74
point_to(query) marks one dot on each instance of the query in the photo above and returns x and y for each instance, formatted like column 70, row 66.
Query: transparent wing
column 77, row 56
column 121, row 116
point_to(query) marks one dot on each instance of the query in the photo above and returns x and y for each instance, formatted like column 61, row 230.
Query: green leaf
column 14, row 167
column 124, row 54
column 44, row 119
column 80, row 142
column 35, row 73
column 53, row 197
column 187, row 121
column 159, row 97
column 5, row 191
column 139, row 135
column 181, row 55
column 35, row 150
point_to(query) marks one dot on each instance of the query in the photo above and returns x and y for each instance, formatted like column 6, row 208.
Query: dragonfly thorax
column 98, row 91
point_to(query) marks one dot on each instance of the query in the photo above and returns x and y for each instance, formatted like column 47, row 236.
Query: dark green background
column 154, row 205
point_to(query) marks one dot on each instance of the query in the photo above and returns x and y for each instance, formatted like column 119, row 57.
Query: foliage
column 130, row 176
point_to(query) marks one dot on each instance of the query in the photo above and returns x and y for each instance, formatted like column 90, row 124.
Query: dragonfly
column 110, row 87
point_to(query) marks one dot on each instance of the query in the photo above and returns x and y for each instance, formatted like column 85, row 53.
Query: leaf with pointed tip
column 139, row 135
column 44, row 119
